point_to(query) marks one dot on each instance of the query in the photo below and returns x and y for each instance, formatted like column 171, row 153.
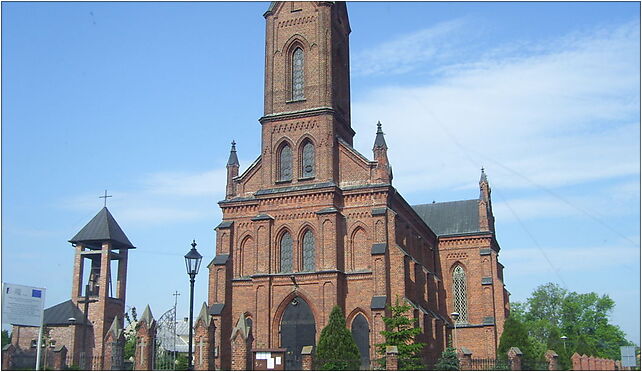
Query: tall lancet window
column 460, row 294
column 298, row 80
column 285, row 164
column 286, row 253
column 308, row 251
column 307, row 162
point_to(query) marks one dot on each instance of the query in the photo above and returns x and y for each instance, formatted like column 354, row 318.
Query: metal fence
column 483, row 364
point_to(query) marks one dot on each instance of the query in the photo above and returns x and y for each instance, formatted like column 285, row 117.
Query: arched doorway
column 361, row 335
column 297, row 330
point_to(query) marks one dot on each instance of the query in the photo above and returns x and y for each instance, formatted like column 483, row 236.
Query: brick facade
column 370, row 245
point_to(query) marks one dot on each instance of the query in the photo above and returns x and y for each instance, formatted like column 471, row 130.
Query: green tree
column 515, row 334
column 401, row 333
column 6, row 339
column 130, row 333
column 448, row 360
column 337, row 349
column 552, row 312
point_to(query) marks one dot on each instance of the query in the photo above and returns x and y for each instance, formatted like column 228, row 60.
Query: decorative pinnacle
column 193, row 244
column 483, row 176
column 233, row 160
column 380, row 142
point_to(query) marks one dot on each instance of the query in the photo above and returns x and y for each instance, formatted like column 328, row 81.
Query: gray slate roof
column 103, row 227
column 60, row 314
column 450, row 218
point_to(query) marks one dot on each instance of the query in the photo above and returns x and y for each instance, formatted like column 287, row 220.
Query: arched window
column 286, row 253
column 308, row 251
column 460, row 294
column 297, row 75
column 285, row 164
column 307, row 160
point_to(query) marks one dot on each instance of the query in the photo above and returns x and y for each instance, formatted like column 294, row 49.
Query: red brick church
column 312, row 223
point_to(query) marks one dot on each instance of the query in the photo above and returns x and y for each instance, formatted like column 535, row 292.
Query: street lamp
column 455, row 316
column 564, row 338
column 192, row 263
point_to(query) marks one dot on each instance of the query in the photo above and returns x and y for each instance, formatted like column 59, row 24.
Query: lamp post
column 564, row 338
column 455, row 316
column 192, row 263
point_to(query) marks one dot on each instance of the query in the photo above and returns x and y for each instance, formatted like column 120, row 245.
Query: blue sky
column 143, row 99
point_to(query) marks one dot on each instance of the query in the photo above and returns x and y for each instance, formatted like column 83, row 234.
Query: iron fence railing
column 486, row 364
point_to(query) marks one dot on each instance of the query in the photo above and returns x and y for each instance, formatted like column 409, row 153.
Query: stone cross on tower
column 142, row 345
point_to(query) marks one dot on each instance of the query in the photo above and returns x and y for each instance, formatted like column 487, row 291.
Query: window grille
column 286, row 253
column 297, row 74
column 308, row 251
column 460, row 294
column 285, row 169
column 308, row 160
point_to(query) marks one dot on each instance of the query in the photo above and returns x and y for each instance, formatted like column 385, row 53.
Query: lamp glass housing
column 193, row 261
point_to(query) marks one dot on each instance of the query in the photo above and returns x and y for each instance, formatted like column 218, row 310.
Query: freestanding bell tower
column 98, row 287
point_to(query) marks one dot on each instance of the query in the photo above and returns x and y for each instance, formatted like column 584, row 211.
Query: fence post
column 60, row 358
column 618, row 365
column 7, row 355
column 204, row 340
column 591, row 363
column 145, row 341
column 465, row 357
column 515, row 358
column 391, row 358
column 551, row 357
column 239, row 340
column 306, row 358
column 584, row 363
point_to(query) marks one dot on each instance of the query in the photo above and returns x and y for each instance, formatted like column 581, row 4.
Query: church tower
column 307, row 91
column 98, row 287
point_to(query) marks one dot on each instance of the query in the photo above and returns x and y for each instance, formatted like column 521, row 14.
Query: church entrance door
column 297, row 330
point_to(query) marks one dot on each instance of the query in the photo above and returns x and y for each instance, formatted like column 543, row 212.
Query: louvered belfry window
column 297, row 74
column 286, row 253
column 460, row 294
column 285, row 166
column 308, row 160
column 308, row 251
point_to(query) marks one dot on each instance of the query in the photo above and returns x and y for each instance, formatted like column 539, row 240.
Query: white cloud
column 160, row 198
column 554, row 116
column 407, row 52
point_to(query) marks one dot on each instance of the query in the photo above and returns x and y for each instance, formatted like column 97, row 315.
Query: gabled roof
column 103, row 227
column 451, row 218
column 60, row 314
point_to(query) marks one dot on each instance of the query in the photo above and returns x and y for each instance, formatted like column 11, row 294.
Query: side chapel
column 312, row 223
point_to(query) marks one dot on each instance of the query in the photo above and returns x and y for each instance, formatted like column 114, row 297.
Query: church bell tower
column 99, row 293
column 307, row 90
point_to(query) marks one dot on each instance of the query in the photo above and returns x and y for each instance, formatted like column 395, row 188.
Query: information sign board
column 628, row 356
column 22, row 305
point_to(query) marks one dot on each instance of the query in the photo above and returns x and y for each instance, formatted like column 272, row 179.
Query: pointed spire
column 380, row 141
column 233, row 160
column 147, row 316
column 483, row 176
column 115, row 328
column 204, row 315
